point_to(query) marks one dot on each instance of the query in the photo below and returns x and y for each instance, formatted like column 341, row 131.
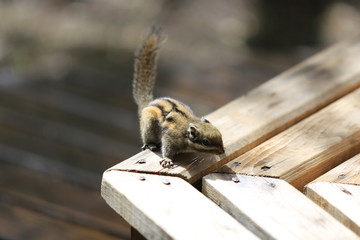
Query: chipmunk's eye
column 204, row 120
column 170, row 119
column 206, row 142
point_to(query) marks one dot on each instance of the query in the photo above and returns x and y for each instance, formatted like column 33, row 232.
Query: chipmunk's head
column 205, row 137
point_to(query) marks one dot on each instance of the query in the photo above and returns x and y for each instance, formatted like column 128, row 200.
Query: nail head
column 265, row 168
column 166, row 181
column 235, row 179
column 272, row 185
column 141, row 161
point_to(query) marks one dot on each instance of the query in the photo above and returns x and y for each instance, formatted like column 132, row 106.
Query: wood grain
column 338, row 192
column 41, row 108
column 267, row 110
column 348, row 172
column 340, row 200
column 168, row 211
column 272, row 208
column 309, row 148
column 55, row 197
column 17, row 222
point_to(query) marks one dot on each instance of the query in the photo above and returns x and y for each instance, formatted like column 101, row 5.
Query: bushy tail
column 145, row 67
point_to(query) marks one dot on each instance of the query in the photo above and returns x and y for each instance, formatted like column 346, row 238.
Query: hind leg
column 150, row 130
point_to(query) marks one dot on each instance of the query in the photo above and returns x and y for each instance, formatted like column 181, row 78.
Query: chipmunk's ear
column 192, row 132
column 204, row 120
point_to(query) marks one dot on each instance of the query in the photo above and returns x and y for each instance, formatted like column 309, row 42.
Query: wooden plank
column 108, row 88
column 21, row 223
column 162, row 207
column 40, row 108
column 57, row 151
column 75, row 104
column 64, row 133
column 41, row 206
column 338, row 192
column 58, row 198
column 38, row 163
column 347, row 173
column 272, row 208
column 309, row 148
column 267, row 110
column 341, row 200
column 73, row 217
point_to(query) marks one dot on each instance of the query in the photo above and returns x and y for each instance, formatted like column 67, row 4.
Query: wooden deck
column 278, row 138
column 53, row 147
column 67, row 114
column 58, row 136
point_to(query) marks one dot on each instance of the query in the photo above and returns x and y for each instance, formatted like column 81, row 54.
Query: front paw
column 167, row 163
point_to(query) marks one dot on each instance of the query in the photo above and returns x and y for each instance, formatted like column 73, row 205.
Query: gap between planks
column 267, row 110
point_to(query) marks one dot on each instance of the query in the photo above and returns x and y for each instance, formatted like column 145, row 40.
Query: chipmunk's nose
column 221, row 150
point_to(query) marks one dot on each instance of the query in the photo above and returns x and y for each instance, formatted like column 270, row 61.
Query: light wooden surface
column 338, row 192
column 348, row 172
column 272, row 208
column 267, row 110
column 309, row 148
column 340, row 200
column 168, row 211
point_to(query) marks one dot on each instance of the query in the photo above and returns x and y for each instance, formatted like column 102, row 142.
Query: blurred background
column 66, row 109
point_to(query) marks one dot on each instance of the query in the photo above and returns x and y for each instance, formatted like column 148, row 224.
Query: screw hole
column 341, row 176
column 236, row 164
column 265, row 168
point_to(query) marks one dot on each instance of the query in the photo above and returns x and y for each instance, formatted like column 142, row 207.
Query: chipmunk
column 166, row 123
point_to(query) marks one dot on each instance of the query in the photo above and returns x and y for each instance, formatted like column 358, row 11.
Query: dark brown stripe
column 175, row 107
column 159, row 107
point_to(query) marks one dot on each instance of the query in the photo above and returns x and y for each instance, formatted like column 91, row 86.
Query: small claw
column 167, row 163
column 151, row 147
column 154, row 148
